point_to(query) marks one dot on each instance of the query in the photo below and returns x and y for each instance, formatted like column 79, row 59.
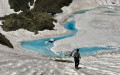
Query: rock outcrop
column 37, row 19
column 51, row 6
column 22, row 5
column 29, row 20
column 5, row 41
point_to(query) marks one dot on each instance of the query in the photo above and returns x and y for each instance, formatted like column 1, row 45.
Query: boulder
column 5, row 41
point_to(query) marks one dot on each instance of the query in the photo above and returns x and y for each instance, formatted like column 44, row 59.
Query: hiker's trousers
column 76, row 60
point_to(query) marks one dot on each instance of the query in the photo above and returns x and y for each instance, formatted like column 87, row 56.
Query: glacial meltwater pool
column 40, row 46
column 43, row 47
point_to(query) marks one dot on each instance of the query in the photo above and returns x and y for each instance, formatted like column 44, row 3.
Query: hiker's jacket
column 76, row 55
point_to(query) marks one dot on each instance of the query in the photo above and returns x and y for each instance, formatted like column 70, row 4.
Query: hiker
column 76, row 56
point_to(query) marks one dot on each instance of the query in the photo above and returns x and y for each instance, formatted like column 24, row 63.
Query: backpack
column 76, row 55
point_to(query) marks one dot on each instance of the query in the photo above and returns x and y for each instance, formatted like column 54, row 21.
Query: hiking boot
column 76, row 67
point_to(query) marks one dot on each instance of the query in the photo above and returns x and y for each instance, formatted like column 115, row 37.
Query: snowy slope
column 5, row 8
column 77, row 5
column 20, row 62
column 96, row 27
column 93, row 26
column 1, row 23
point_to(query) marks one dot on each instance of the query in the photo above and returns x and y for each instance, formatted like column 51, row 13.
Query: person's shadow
column 80, row 68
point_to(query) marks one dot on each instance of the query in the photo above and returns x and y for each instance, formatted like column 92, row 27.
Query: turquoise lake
column 40, row 46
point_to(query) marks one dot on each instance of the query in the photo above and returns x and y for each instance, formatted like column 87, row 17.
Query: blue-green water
column 84, row 11
column 40, row 46
column 93, row 50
